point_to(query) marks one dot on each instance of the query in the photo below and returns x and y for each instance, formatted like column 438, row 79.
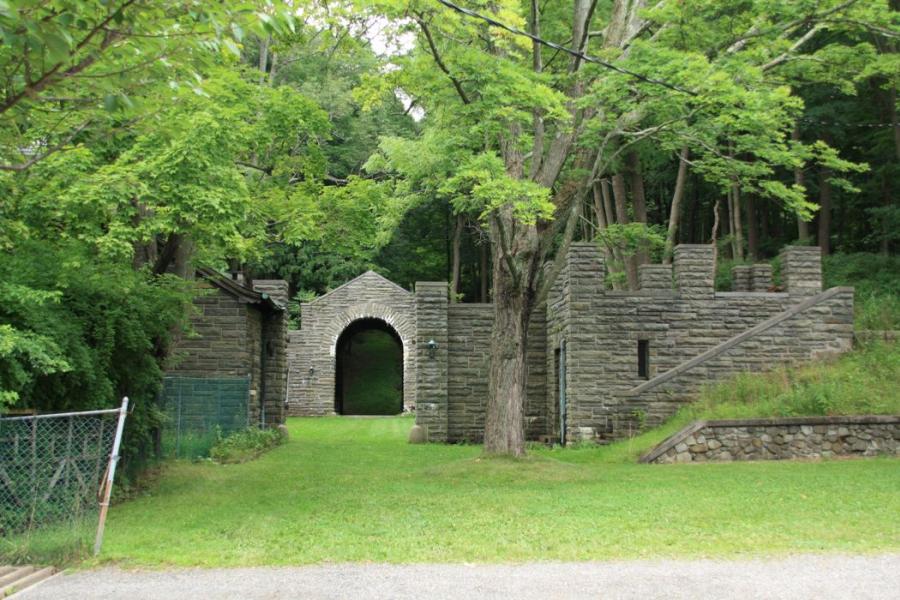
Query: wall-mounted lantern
column 432, row 348
column 312, row 371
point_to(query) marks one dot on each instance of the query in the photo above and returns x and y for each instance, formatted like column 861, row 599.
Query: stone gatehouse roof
column 238, row 290
column 367, row 275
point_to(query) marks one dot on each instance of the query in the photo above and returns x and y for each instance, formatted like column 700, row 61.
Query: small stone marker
column 418, row 435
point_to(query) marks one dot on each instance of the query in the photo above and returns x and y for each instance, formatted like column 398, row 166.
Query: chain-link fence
column 54, row 470
column 199, row 410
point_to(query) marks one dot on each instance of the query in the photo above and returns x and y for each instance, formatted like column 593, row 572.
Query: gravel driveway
column 806, row 576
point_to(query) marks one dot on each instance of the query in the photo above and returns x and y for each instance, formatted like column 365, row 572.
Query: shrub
column 877, row 286
column 245, row 445
column 78, row 332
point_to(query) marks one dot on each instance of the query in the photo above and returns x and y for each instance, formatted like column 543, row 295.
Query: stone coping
column 734, row 341
column 682, row 434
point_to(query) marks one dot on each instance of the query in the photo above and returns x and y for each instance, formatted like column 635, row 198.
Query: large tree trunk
column 802, row 226
column 599, row 212
column 614, row 253
column 454, row 269
column 263, row 57
column 714, row 235
column 825, row 210
column 513, row 251
column 639, row 199
column 182, row 264
column 518, row 251
column 145, row 253
column 675, row 211
column 752, row 228
column 737, row 228
column 483, row 251
column 618, row 185
column 607, row 202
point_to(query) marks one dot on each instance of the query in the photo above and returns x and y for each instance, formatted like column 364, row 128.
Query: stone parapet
column 740, row 278
column 761, row 277
column 801, row 270
column 694, row 269
column 655, row 277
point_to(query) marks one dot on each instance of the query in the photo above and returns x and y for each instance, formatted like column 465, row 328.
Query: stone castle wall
column 218, row 346
column 227, row 341
column 275, row 367
column 693, row 334
column 778, row 439
column 469, row 340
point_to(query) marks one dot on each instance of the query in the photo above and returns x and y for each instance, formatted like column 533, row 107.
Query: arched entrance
column 369, row 369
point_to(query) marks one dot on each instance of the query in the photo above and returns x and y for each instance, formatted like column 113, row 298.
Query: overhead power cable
column 494, row 23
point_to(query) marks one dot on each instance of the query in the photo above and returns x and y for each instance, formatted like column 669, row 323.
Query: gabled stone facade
column 602, row 364
column 312, row 349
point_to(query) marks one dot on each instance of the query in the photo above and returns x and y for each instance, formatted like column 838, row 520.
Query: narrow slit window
column 644, row 359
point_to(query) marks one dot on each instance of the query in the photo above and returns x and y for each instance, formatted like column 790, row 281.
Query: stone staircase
column 14, row 579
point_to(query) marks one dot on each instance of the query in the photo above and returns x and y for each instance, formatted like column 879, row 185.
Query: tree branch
column 39, row 157
column 785, row 56
column 53, row 73
column 440, row 63
column 505, row 250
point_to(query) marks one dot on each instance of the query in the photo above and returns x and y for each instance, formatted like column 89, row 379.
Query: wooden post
column 110, row 475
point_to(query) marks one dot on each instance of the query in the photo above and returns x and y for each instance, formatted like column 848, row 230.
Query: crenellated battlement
column 692, row 273
column 636, row 356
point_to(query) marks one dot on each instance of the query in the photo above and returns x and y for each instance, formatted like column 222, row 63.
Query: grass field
column 353, row 490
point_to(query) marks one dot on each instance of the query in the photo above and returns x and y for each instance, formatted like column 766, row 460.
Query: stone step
column 6, row 570
column 30, row 579
column 14, row 575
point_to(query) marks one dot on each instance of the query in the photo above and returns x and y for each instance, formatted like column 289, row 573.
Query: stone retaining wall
column 778, row 439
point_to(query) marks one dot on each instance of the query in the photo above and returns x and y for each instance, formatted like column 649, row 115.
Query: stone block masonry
column 635, row 357
column 778, row 439
column 432, row 411
column 238, row 332
column 468, row 359
column 631, row 358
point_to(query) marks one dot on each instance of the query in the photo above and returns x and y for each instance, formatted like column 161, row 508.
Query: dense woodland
column 313, row 140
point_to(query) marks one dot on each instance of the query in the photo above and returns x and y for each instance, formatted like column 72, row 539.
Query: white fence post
column 110, row 475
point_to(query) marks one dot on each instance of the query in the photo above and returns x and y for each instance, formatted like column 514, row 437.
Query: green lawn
column 353, row 490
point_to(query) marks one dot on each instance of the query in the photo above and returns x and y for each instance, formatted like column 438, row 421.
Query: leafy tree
column 546, row 125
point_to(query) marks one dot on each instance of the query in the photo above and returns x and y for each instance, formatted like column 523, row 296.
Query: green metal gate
column 199, row 410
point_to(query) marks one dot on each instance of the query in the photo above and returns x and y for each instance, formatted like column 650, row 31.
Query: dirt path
column 805, row 576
